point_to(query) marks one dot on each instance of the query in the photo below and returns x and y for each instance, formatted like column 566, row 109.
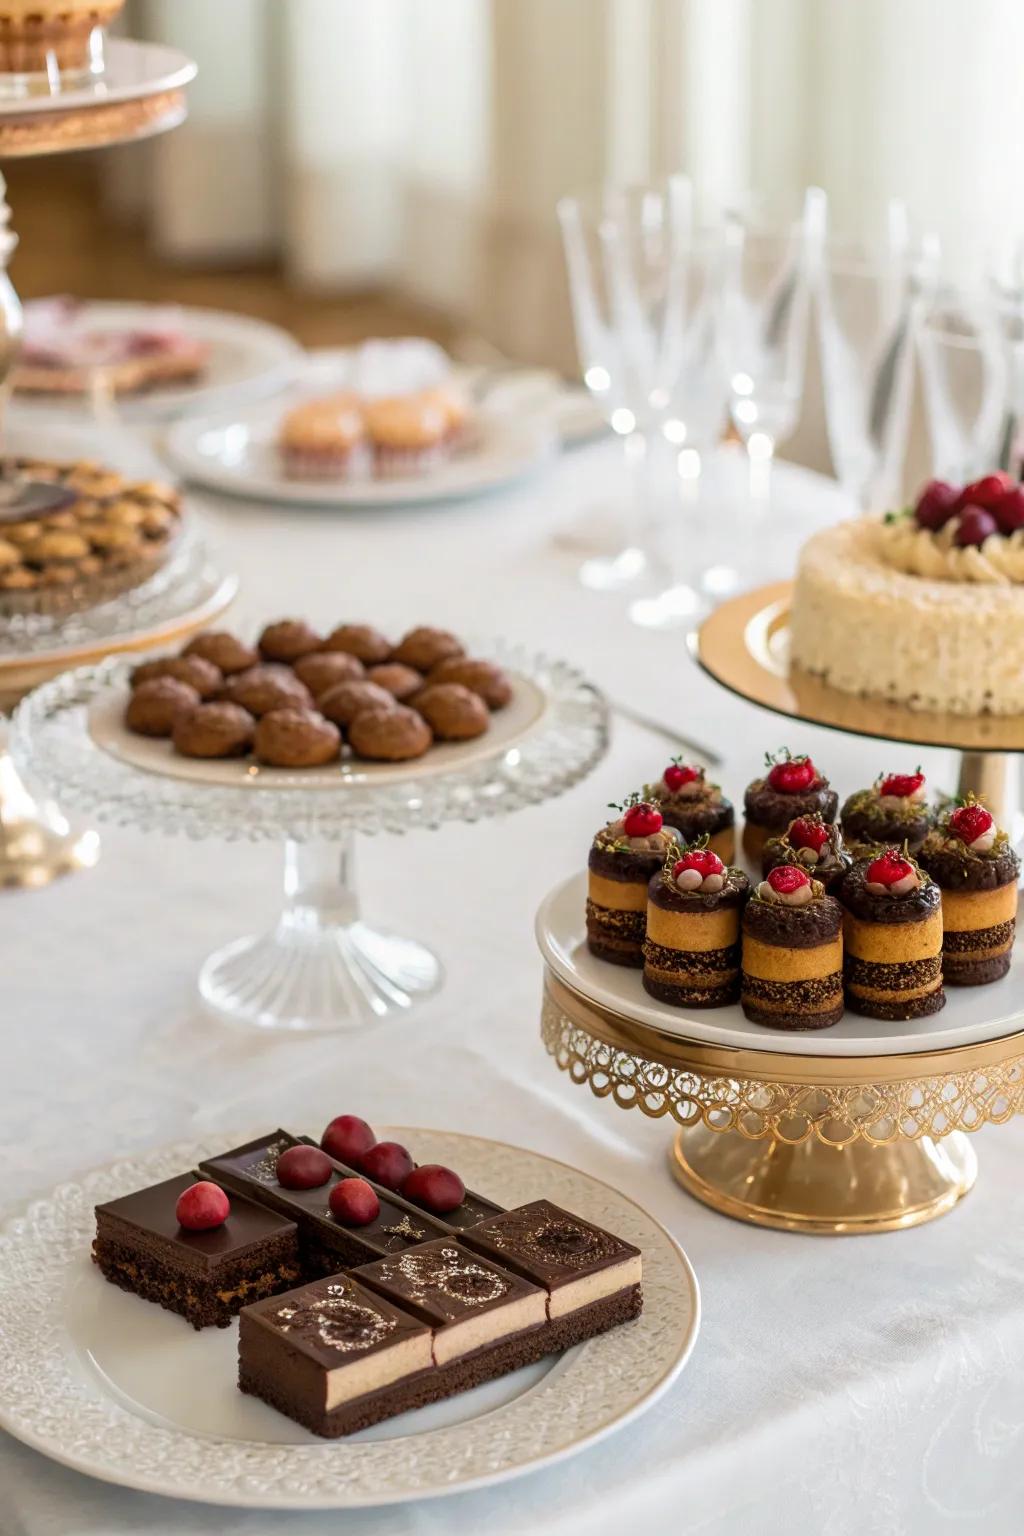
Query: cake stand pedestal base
column 812, row 1187
column 36, row 843
column 321, row 968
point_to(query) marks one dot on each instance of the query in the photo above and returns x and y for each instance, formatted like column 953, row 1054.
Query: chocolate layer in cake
column 617, row 882
column 892, row 949
column 792, row 963
column 208, row 1276
column 979, row 907
column 768, row 812
column 692, row 949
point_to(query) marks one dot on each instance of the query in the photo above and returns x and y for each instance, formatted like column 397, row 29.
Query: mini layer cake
column 184, row 1245
column 892, row 812
column 892, row 934
column 692, row 949
column 977, row 871
column 593, row 1280
column 695, row 808
column 791, row 787
column 811, row 844
column 623, row 857
column 792, row 964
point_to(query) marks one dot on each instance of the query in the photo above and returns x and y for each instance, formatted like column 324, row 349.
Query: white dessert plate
column 247, row 359
column 132, row 70
column 124, row 1391
column 971, row 1014
column 508, row 727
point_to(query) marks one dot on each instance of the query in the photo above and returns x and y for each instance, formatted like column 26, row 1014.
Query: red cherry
column 974, row 527
column 436, row 1187
column 901, row 784
column 303, row 1168
column 642, row 820
column 970, row 821
column 347, row 1138
column 986, row 492
column 202, row 1207
column 678, row 774
column 387, row 1163
column 353, row 1203
column 936, row 505
column 889, row 868
column 792, row 775
column 1009, row 510
column 700, row 859
column 787, row 878
column 805, row 833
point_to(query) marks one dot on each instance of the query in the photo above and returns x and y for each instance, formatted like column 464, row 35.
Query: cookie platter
column 125, row 1391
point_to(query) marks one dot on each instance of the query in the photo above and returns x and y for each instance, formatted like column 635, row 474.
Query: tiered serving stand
column 862, row 1128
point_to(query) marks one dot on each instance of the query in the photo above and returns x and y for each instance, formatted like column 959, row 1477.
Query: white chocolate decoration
column 690, row 880
column 798, row 898
column 900, row 887
column 985, row 841
column 656, row 842
column 690, row 791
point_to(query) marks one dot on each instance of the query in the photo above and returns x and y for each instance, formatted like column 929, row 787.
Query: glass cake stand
column 321, row 967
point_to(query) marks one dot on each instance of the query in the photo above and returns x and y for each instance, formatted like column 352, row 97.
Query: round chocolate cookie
column 396, row 678
column 263, row 688
column 153, row 707
column 346, row 700
column 360, row 640
column 452, row 711
column 287, row 640
column 296, row 738
column 425, row 647
column 225, row 650
column 214, row 730
column 389, row 734
column 482, row 677
column 325, row 669
column 201, row 675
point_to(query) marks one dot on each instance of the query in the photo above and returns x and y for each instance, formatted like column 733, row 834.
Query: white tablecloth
column 838, row 1386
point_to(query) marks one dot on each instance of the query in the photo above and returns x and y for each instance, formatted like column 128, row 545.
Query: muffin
column 692, row 949
column 792, row 787
column 389, row 734
column 296, row 738
column 213, row 730
column 425, row 647
column 892, row 934
column 154, row 707
column 324, row 439
column 695, row 808
column 792, row 953
column 453, row 712
column 33, row 30
column 892, row 812
column 976, row 870
column 361, row 640
column 624, row 858
column 408, row 434
column 483, row 677
column 811, row 844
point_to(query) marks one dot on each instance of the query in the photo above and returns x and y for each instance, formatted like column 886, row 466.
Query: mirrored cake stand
column 321, row 967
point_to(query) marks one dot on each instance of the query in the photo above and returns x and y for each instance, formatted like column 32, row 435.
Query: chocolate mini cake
column 811, row 844
column 207, row 1274
column 892, row 933
column 792, row 960
column 624, row 856
column 692, row 949
column 792, row 787
column 892, row 812
column 977, row 871
column 695, row 808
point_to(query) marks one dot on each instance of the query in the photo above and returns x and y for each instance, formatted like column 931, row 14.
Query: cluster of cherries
column 993, row 504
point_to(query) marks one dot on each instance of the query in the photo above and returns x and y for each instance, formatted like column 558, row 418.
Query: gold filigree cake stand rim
column 835, row 1145
column 95, row 126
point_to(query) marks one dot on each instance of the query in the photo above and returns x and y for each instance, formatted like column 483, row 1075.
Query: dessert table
column 862, row 1384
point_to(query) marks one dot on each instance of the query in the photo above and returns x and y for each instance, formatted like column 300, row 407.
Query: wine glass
column 965, row 367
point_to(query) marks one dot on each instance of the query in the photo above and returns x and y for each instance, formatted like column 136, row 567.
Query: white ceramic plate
column 247, row 359
column 119, row 1389
column 971, row 1014
column 508, row 727
column 132, row 70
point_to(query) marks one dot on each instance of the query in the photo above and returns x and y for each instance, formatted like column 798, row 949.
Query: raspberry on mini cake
column 623, row 857
column 792, row 954
column 792, row 786
column 692, row 948
column 812, row 844
column 892, row 812
column 892, row 933
column 695, row 807
column 977, row 871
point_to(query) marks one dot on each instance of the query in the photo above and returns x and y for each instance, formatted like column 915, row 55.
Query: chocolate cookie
column 154, row 706
column 389, row 734
column 296, row 738
column 263, row 688
column 482, row 677
column 397, row 679
column 325, row 669
column 453, row 712
column 200, row 674
column 360, row 640
column 224, row 650
column 287, row 640
column 425, row 647
column 214, row 730
column 346, row 700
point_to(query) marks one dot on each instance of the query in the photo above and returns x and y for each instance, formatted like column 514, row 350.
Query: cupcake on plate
column 695, row 807
column 692, row 948
column 812, row 844
column 324, row 439
column 623, row 858
column 31, row 31
column 892, row 812
column 892, row 935
column 792, row 953
column 408, row 433
column 791, row 787
column 976, row 870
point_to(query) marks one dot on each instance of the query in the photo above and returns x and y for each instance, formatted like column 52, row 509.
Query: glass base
column 36, row 843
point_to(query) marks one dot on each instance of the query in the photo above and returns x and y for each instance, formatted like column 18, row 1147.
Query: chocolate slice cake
column 892, row 936
column 695, row 807
column 692, row 949
column 791, row 787
column 205, row 1275
column 811, row 844
column 792, row 953
column 623, row 857
column 977, row 872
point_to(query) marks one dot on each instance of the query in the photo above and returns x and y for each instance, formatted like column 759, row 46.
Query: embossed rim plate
column 51, row 1398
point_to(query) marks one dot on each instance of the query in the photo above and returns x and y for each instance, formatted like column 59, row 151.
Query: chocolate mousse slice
column 148, row 1243
column 692, row 949
column 791, row 787
column 892, row 812
column 892, row 937
column 593, row 1280
column 977, row 871
column 695, row 807
column 812, row 844
column 792, row 953
column 623, row 857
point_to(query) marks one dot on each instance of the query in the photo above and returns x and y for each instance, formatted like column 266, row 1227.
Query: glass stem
column 319, row 886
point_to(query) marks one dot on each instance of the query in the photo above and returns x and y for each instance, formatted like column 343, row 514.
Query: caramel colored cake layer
column 692, row 949
column 979, row 928
column 792, row 964
column 893, row 950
